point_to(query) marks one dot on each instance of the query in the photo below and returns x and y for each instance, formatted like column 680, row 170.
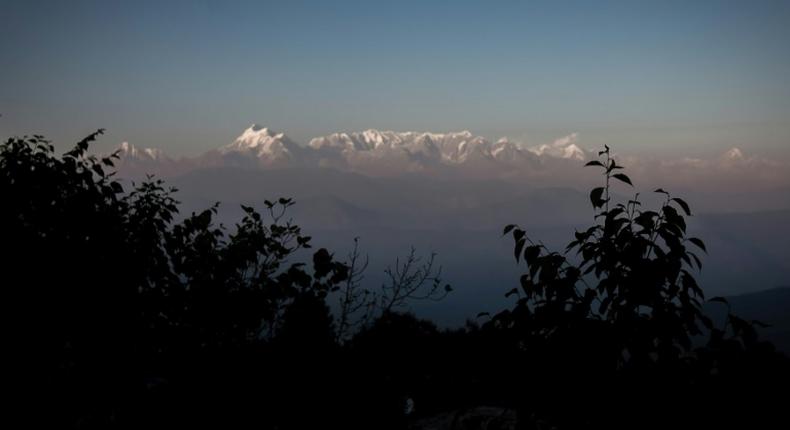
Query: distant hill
column 462, row 221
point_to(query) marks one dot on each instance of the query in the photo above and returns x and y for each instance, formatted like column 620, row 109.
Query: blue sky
column 681, row 77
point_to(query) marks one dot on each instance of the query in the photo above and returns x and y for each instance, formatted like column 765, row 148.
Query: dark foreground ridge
column 120, row 316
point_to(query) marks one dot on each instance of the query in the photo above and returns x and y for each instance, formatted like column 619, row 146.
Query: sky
column 686, row 78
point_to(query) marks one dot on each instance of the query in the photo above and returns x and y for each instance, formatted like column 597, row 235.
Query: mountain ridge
column 456, row 156
column 259, row 146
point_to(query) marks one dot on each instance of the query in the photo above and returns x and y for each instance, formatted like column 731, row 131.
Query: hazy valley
column 394, row 196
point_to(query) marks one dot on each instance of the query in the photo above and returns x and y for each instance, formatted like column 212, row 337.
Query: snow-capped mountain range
column 386, row 153
column 447, row 148
column 363, row 150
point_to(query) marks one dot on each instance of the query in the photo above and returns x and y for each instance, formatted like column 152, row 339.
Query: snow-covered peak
column 734, row 154
column 256, row 134
column 564, row 147
column 129, row 151
column 262, row 142
column 736, row 157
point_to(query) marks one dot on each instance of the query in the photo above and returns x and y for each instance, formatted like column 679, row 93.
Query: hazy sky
column 685, row 77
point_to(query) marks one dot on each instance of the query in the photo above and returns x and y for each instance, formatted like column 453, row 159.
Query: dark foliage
column 123, row 314
column 619, row 316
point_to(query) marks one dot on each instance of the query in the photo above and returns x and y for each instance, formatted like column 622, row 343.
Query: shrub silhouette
column 111, row 299
column 617, row 316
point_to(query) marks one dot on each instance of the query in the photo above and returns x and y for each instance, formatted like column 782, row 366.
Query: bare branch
column 353, row 298
column 412, row 279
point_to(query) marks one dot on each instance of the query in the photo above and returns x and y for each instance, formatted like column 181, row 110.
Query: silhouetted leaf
column 698, row 242
column 531, row 253
column 517, row 250
column 696, row 260
column 596, row 197
column 623, row 177
column 683, row 205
